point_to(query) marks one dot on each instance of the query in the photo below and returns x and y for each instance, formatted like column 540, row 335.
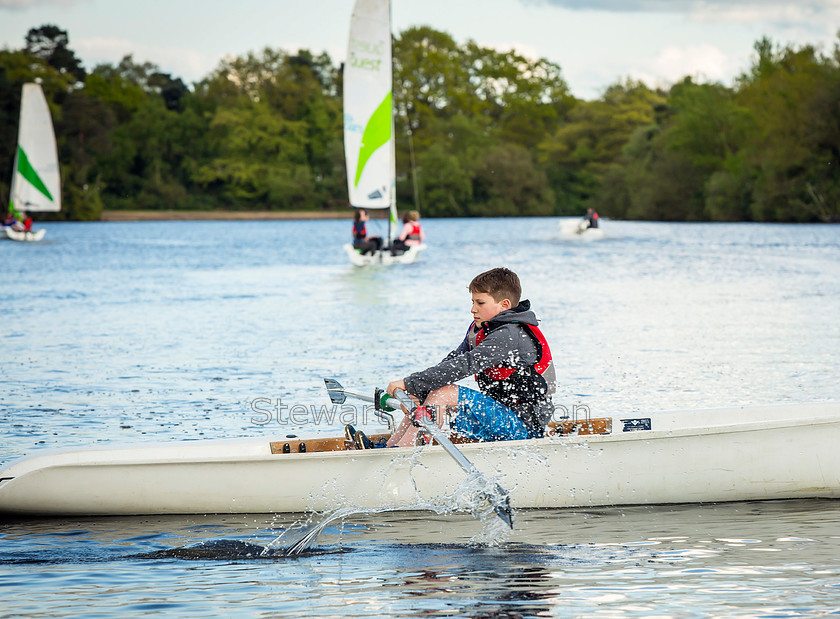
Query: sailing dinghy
column 36, row 184
column 579, row 228
column 630, row 458
column 369, row 144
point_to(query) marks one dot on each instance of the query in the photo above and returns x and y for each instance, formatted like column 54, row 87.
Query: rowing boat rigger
column 730, row 454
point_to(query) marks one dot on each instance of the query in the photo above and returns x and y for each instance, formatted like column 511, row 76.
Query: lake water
column 133, row 332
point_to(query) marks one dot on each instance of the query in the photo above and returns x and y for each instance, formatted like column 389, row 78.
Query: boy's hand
column 394, row 385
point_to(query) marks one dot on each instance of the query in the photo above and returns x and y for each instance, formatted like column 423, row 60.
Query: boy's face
column 485, row 308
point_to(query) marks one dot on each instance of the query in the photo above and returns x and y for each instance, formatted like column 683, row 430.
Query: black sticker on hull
column 636, row 425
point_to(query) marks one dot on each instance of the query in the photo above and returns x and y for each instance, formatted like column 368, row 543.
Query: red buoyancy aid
column 526, row 390
column 415, row 234
column 544, row 352
column 359, row 233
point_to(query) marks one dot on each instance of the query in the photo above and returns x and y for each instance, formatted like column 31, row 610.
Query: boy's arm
column 508, row 346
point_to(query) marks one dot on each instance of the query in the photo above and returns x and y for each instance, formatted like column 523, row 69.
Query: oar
column 338, row 395
column 500, row 498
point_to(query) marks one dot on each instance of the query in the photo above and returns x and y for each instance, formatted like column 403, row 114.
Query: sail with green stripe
column 36, row 182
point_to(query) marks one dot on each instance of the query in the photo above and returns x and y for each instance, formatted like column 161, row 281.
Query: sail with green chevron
column 36, row 183
column 368, row 107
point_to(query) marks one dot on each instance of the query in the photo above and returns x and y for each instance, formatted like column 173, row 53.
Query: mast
column 392, row 216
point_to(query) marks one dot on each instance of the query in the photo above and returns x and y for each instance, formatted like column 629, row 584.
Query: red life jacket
column 359, row 234
column 525, row 390
column 544, row 352
column 415, row 232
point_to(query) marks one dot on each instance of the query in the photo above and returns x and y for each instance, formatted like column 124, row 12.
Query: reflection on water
column 168, row 331
column 742, row 559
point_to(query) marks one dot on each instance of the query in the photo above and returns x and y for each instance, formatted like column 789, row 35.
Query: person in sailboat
column 591, row 218
column 412, row 233
column 511, row 360
column 23, row 223
column 10, row 219
column 361, row 241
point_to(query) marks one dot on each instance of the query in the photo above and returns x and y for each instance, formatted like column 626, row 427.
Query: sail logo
column 365, row 64
column 365, row 55
column 367, row 47
column 350, row 125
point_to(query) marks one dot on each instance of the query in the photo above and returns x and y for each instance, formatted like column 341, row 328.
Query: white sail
column 36, row 184
column 368, row 116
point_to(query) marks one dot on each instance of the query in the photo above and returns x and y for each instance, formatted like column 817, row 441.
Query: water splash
column 476, row 495
column 302, row 536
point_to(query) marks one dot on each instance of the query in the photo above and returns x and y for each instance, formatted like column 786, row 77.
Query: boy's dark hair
column 499, row 283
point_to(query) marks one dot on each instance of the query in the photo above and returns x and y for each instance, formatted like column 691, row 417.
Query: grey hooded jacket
column 507, row 343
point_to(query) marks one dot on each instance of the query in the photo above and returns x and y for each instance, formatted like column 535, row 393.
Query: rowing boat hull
column 737, row 454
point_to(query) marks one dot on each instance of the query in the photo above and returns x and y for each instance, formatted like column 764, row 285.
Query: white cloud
column 20, row 5
column 754, row 7
column 523, row 49
column 706, row 62
column 188, row 64
column 818, row 16
column 703, row 63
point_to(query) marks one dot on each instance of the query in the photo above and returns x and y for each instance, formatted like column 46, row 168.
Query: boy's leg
column 478, row 417
column 482, row 418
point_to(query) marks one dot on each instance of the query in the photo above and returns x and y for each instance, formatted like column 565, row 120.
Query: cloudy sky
column 595, row 42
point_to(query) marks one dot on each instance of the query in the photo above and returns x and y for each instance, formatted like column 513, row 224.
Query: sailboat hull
column 19, row 235
column 382, row 257
column 577, row 228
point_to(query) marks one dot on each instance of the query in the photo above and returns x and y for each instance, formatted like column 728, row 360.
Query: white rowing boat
column 731, row 454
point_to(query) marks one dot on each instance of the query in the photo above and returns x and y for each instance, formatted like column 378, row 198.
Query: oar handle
column 437, row 434
column 407, row 402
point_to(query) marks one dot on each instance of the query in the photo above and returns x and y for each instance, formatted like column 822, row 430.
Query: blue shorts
column 482, row 418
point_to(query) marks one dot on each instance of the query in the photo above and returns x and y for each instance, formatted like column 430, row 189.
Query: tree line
column 480, row 132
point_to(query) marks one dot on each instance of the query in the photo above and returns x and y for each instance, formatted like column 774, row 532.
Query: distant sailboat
column 369, row 144
column 580, row 229
column 36, row 184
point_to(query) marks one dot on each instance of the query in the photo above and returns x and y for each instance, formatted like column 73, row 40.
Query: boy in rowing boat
column 510, row 358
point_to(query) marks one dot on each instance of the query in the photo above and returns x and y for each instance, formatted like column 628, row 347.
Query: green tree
column 793, row 154
column 85, row 133
column 260, row 159
column 507, row 183
column 583, row 151
column 50, row 43
column 699, row 134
